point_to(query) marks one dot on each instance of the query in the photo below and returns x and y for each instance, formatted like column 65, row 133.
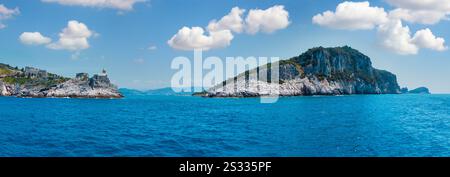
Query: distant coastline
column 318, row 71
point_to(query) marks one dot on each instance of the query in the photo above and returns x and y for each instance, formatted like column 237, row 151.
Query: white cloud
column 113, row 4
column 6, row 13
column 426, row 39
column 443, row 5
column 421, row 11
column 233, row 21
column 34, row 38
column 219, row 33
column 397, row 38
column 418, row 16
column 195, row 38
column 268, row 21
column 74, row 37
column 392, row 34
column 352, row 16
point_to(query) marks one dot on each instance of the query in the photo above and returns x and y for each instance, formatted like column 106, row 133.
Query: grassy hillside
column 4, row 71
column 14, row 75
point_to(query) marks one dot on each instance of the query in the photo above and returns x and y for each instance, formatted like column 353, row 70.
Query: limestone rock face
column 81, row 87
column 319, row 71
column 4, row 90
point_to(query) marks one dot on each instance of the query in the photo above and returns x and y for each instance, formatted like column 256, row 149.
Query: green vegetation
column 268, row 67
column 297, row 66
column 4, row 71
column 14, row 75
column 45, row 82
column 16, row 80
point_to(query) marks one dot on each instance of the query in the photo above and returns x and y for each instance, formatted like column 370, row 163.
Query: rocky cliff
column 33, row 82
column 318, row 71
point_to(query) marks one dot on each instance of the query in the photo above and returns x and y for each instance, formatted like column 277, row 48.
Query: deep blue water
column 365, row 125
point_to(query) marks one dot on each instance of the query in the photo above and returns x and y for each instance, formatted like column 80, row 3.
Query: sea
column 155, row 125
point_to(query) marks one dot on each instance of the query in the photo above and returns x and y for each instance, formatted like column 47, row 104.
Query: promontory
column 33, row 82
column 318, row 71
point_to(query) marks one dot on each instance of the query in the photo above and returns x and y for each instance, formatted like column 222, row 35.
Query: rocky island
column 318, row 71
column 33, row 82
column 420, row 90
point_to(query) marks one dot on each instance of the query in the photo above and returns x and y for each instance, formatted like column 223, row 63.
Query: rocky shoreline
column 318, row 71
column 37, row 83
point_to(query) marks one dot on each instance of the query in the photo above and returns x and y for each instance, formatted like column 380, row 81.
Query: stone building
column 31, row 72
column 100, row 80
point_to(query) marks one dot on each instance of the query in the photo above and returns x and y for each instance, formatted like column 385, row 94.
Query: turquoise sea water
column 364, row 125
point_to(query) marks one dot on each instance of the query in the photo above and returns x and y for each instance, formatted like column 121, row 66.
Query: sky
column 136, row 40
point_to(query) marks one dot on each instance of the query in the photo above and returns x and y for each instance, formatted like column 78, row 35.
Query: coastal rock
column 404, row 90
column 420, row 90
column 4, row 90
column 33, row 82
column 98, row 86
column 319, row 71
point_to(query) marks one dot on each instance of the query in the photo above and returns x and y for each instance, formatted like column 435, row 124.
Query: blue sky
column 121, row 39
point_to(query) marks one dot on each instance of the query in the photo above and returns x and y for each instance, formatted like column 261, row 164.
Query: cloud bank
column 233, row 21
column 74, row 37
column 392, row 33
column 195, row 38
column 267, row 21
column 352, row 16
column 219, row 33
column 34, row 38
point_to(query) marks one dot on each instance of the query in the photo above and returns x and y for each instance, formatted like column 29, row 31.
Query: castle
column 31, row 72
column 98, row 80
